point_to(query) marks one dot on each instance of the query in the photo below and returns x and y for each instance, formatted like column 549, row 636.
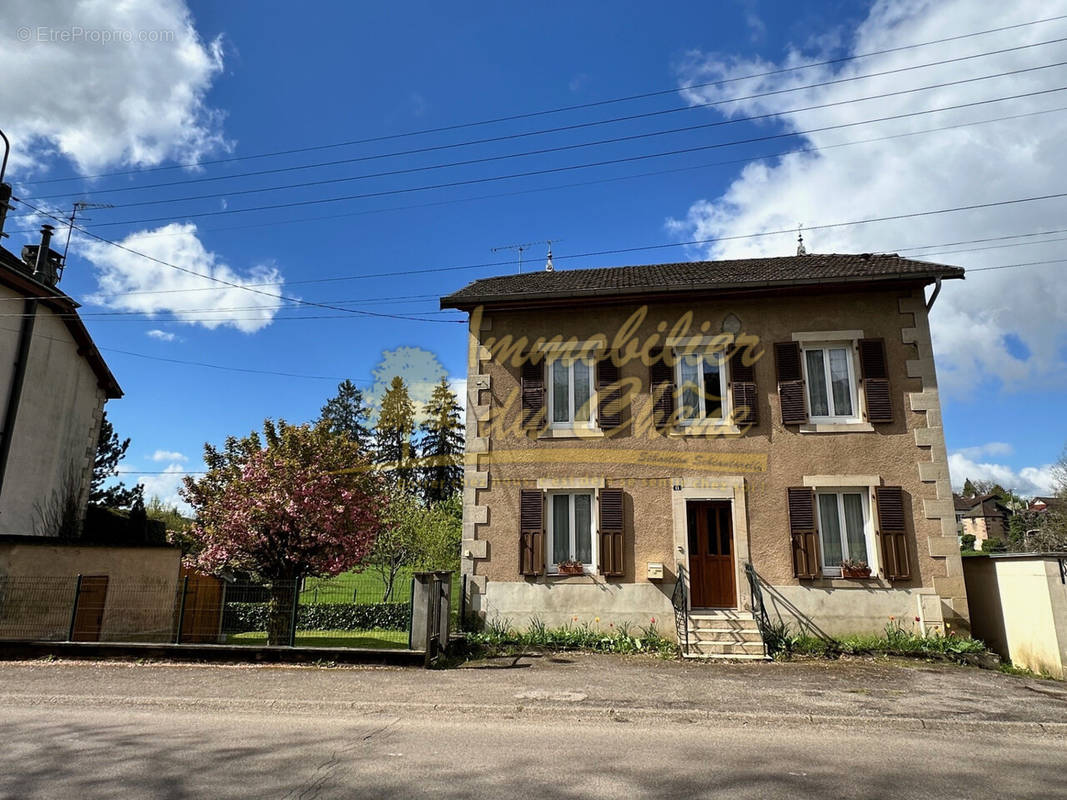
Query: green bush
column 499, row 638
column 967, row 541
column 896, row 641
column 247, row 617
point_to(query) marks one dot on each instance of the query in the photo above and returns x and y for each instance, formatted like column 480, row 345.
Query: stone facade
column 661, row 471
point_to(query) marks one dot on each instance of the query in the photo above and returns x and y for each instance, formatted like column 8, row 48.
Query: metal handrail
column 759, row 610
column 681, row 610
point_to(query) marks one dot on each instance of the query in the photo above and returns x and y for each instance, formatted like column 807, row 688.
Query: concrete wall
column 755, row 468
column 1019, row 609
column 58, row 421
column 37, row 584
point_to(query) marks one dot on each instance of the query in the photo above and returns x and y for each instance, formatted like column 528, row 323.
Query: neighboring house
column 1054, row 504
column 609, row 436
column 53, row 386
column 986, row 518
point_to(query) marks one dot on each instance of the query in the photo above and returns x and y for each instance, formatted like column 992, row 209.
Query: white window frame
column 570, row 423
column 834, row 570
column 553, row 565
column 851, row 348
column 724, row 384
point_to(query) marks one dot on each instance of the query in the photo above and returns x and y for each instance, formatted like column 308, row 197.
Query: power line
column 565, row 148
column 573, row 167
column 562, row 109
column 573, row 184
column 544, row 131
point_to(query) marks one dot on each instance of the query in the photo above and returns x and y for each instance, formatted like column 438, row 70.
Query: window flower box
column 571, row 568
column 855, row 569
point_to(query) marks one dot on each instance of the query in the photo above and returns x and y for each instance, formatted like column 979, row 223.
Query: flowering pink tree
column 301, row 501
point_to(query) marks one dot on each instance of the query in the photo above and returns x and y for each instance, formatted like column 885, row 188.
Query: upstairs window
column 701, row 380
column 831, row 381
column 570, row 396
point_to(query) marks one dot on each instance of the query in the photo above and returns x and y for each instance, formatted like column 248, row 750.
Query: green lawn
column 366, row 587
column 379, row 640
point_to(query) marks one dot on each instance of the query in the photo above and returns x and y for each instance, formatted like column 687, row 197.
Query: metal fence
column 345, row 611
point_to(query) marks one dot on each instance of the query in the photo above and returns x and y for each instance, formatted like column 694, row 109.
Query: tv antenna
column 79, row 205
column 522, row 248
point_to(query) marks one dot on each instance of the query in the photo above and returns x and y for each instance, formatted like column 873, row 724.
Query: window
column 570, row 398
column 570, row 528
column 831, row 381
column 843, row 518
column 701, row 388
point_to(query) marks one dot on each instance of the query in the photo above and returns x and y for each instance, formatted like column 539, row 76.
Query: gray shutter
column 790, row 383
column 661, row 382
column 803, row 535
column 612, row 536
column 531, row 532
column 875, row 375
column 892, row 532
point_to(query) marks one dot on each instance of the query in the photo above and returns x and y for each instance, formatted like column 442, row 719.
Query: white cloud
column 99, row 100
column 167, row 290
column 459, row 387
column 165, row 486
column 163, row 336
column 1026, row 481
column 978, row 324
column 987, row 449
column 168, row 455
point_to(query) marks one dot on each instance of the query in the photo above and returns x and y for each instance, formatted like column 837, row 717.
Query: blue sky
column 243, row 79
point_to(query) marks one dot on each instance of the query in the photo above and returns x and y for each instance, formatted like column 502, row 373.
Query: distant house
column 985, row 517
column 53, row 386
column 1042, row 504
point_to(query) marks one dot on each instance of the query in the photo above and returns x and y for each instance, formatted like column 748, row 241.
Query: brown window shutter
column 531, row 532
column 611, row 532
column 533, row 394
column 875, row 375
column 804, row 538
column 608, row 393
column 661, row 382
column 892, row 532
column 743, row 390
column 790, row 383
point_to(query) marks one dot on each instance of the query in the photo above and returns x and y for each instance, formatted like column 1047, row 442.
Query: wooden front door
column 711, row 555
column 89, row 613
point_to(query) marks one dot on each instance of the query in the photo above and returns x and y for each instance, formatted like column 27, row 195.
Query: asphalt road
column 87, row 731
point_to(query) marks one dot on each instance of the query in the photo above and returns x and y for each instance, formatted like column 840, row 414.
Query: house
column 985, row 517
column 53, row 386
column 681, row 444
column 1054, row 504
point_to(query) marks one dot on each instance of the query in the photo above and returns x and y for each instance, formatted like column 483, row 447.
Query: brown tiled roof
column 689, row 276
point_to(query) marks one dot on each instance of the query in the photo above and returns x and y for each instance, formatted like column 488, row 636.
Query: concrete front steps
column 726, row 634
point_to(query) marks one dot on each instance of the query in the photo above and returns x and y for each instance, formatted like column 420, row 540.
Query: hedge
column 247, row 617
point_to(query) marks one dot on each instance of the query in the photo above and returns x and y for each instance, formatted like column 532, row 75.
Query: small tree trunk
column 280, row 612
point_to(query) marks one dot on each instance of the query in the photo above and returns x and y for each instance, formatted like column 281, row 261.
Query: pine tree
column 442, row 445
column 394, row 432
column 346, row 414
column 109, row 452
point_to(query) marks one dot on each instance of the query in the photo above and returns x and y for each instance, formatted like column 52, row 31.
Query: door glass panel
column 583, row 528
column 857, row 542
column 817, row 399
column 581, row 391
column 712, row 399
column 690, row 386
column 830, row 527
column 713, row 531
column 694, row 539
column 724, row 530
column 561, row 528
column 560, row 392
column 842, row 391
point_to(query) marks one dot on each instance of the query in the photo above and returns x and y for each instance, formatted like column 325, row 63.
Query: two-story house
column 677, row 444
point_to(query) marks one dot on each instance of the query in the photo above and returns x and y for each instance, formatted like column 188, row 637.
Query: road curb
column 554, row 712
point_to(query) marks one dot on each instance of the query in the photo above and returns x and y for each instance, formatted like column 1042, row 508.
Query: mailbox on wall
column 654, row 570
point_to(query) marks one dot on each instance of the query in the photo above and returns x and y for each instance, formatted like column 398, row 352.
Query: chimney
column 43, row 259
column 548, row 263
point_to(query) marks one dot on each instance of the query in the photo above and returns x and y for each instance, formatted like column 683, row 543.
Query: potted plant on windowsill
column 571, row 568
column 854, row 568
